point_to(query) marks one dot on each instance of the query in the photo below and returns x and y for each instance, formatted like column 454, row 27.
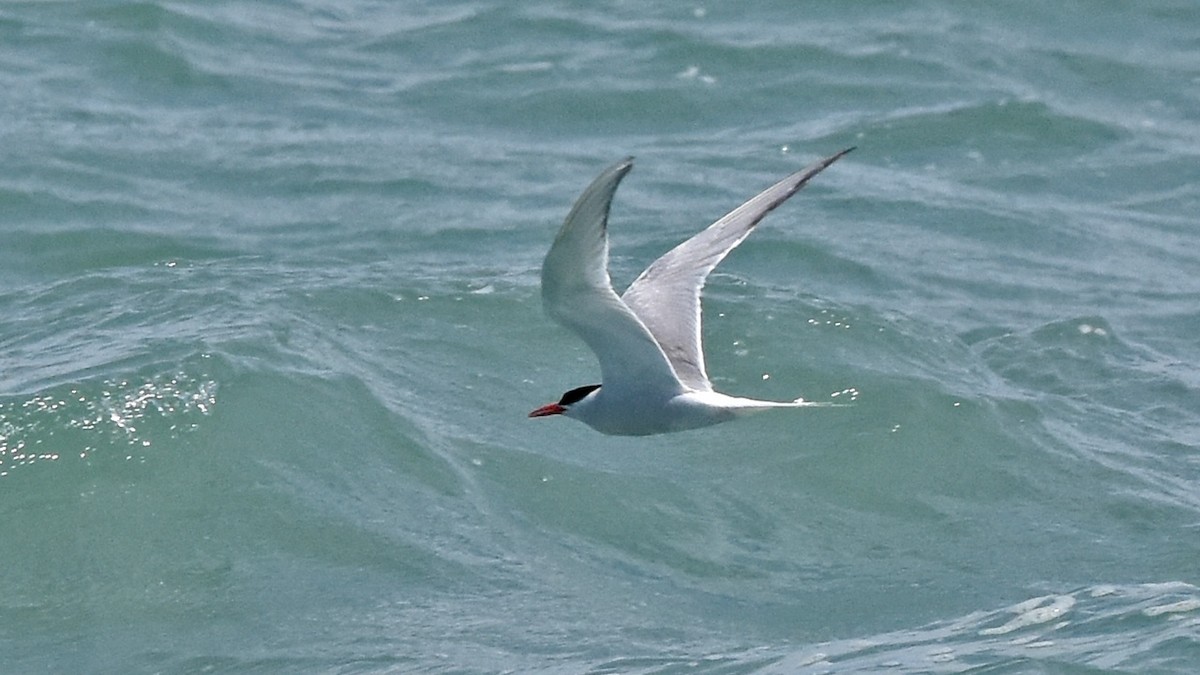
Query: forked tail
column 801, row 403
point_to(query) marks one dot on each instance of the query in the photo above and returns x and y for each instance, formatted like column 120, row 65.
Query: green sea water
column 270, row 326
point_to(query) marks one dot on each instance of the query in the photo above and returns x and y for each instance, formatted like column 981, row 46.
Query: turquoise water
column 270, row 327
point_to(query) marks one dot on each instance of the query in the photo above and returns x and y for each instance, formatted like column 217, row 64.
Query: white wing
column 577, row 292
column 666, row 297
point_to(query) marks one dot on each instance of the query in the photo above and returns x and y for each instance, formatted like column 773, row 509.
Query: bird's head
column 574, row 397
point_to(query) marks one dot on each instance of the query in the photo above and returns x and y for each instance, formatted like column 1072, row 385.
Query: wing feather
column 666, row 296
column 577, row 293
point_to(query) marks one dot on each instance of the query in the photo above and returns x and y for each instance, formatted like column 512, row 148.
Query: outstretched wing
column 577, row 293
column 666, row 296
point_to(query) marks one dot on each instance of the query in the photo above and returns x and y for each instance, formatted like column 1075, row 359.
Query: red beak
column 547, row 410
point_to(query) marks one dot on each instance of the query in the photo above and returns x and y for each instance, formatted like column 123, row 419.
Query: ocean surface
column 270, row 327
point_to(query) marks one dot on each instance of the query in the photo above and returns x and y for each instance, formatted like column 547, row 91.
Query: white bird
column 648, row 340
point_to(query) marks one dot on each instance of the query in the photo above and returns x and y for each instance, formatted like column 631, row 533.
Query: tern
column 648, row 340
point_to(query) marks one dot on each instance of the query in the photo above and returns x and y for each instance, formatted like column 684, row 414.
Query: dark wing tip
column 837, row 155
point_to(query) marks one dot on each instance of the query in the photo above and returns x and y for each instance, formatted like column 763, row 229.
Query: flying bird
column 648, row 340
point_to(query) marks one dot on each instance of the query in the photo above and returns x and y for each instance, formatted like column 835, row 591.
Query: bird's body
column 648, row 412
column 648, row 340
